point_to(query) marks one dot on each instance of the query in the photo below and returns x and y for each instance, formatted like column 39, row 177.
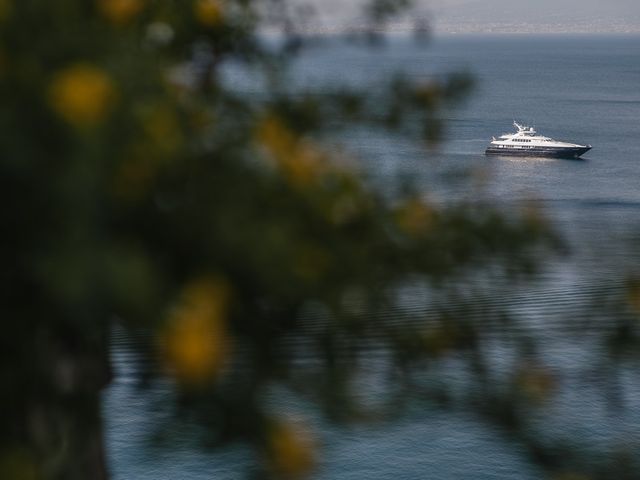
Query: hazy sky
column 615, row 15
column 566, row 10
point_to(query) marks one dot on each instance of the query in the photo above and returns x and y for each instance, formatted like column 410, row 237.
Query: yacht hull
column 548, row 152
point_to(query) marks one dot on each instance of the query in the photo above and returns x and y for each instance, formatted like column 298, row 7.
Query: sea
column 579, row 88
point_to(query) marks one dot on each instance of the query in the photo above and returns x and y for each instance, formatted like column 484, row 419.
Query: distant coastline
column 595, row 27
column 586, row 27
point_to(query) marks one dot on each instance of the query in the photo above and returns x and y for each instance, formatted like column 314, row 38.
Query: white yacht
column 527, row 143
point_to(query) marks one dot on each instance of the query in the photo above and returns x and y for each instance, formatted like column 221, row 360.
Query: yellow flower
column 5, row 9
column 536, row 384
column 291, row 450
column 196, row 338
column 633, row 295
column 307, row 165
column 276, row 138
column 208, row 12
column 429, row 94
column 18, row 464
column 415, row 217
column 82, row 94
column 120, row 11
column 301, row 161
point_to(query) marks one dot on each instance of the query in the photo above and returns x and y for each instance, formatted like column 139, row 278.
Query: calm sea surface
column 582, row 89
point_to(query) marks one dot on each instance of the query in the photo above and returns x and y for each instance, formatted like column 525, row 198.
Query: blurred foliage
column 139, row 187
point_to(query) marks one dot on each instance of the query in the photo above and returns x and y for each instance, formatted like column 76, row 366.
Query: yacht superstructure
column 527, row 143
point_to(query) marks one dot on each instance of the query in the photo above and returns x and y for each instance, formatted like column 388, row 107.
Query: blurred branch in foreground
column 136, row 184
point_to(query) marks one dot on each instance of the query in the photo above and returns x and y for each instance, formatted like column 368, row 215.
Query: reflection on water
column 527, row 159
